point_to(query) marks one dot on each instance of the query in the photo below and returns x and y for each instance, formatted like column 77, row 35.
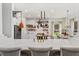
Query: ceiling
column 56, row 10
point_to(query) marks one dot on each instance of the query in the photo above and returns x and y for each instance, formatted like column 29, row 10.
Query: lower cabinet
column 25, row 53
column 55, row 53
column 52, row 53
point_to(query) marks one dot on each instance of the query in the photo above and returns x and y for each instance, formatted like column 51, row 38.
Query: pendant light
column 67, row 25
column 44, row 15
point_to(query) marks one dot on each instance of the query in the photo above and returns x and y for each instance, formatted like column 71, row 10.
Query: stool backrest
column 10, row 51
column 40, row 51
column 69, row 51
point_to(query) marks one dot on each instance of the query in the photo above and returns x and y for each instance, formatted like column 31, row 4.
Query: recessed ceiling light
column 26, row 10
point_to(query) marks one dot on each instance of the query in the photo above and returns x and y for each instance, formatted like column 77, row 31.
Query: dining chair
column 69, row 51
column 10, row 51
column 40, row 51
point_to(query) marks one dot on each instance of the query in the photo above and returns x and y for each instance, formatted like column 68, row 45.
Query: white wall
column 6, row 19
column 0, row 18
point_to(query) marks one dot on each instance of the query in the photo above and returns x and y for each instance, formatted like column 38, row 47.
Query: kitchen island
column 56, row 44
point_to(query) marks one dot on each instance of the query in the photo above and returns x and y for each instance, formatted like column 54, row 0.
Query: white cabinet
column 7, row 19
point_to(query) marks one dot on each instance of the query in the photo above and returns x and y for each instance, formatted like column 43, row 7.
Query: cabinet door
column 75, row 27
column 17, row 32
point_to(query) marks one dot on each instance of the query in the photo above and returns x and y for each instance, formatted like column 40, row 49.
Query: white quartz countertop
column 26, row 43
